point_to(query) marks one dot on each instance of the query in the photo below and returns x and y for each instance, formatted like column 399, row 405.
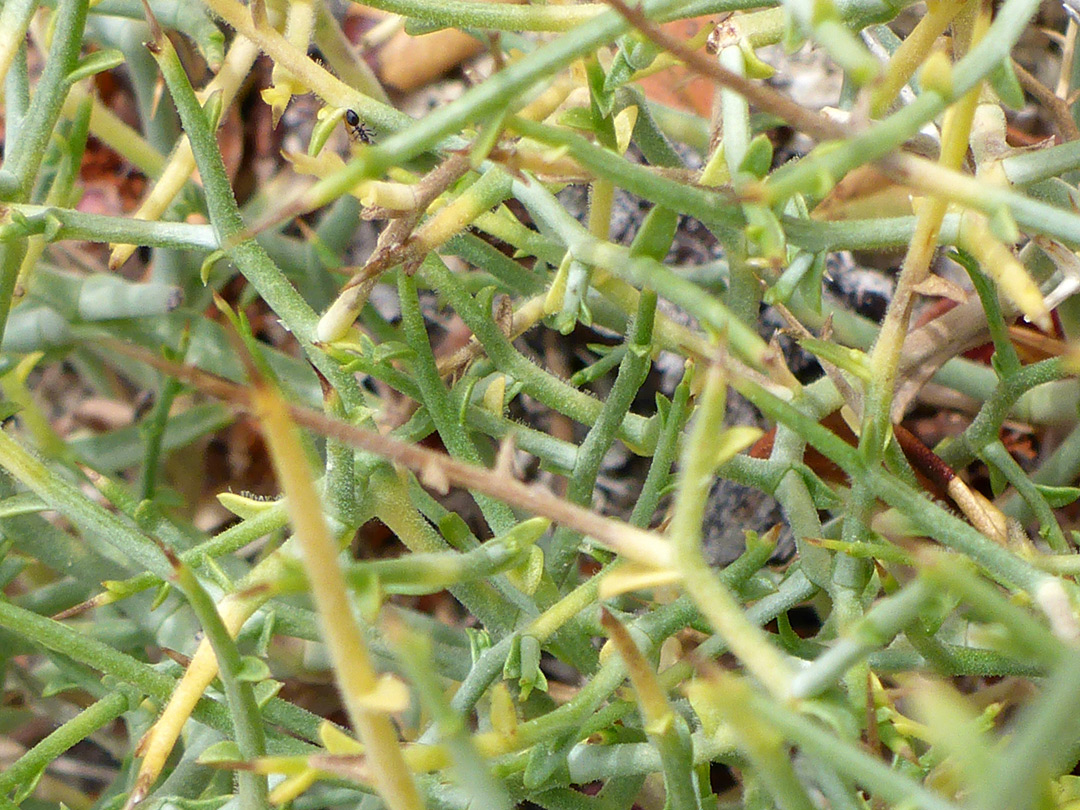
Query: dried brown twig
column 393, row 245
column 1058, row 108
column 761, row 96
column 436, row 470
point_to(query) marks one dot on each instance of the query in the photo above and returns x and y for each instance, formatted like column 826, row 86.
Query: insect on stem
column 358, row 129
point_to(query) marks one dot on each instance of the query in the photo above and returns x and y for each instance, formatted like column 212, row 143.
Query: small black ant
column 358, row 129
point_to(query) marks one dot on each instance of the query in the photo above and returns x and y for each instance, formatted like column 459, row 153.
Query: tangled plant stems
column 524, row 637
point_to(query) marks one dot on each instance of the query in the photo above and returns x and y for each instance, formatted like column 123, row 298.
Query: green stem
column 875, row 629
column 713, row 598
column 1060, row 469
column 94, row 717
column 248, row 255
column 995, row 454
column 711, row 207
column 667, row 447
column 562, row 552
column 21, row 219
column 876, row 776
column 827, row 166
column 390, row 499
column 1026, row 168
column 1041, row 745
column 578, row 405
column 12, row 255
column 642, row 271
column 1032, row 215
column 14, row 21
column 247, row 722
column 471, row 771
column 487, row 98
column 235, row 537
column 986, row 426
column 493, row 16
column 1006, row 566
column 102, row 657
column 930, row 518
column 419, row 573
column 861, row 234
column 1006, row 362
column 767, row 751
column 1029, row 638
column 435, row 397
column 20, row 166
column 667, row 730
column 92, row 518
column 154, row 428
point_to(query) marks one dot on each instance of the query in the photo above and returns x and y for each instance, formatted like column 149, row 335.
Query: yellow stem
column 353, row 670
column 107, row 127
column 234, row 609
column 159, row 741
column 299, row 26
column 911, row 53
column 317, row 79
column 955, row 134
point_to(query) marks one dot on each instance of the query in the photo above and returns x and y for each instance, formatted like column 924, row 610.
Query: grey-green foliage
column 506, row 692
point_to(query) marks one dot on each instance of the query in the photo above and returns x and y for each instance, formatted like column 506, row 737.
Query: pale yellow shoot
column 624, row 123
column 244, row 507
column 503, row 713
column 630, row 577
column 390, row 694
column 336, row 741
column 1000, row 263
column 355, row 676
